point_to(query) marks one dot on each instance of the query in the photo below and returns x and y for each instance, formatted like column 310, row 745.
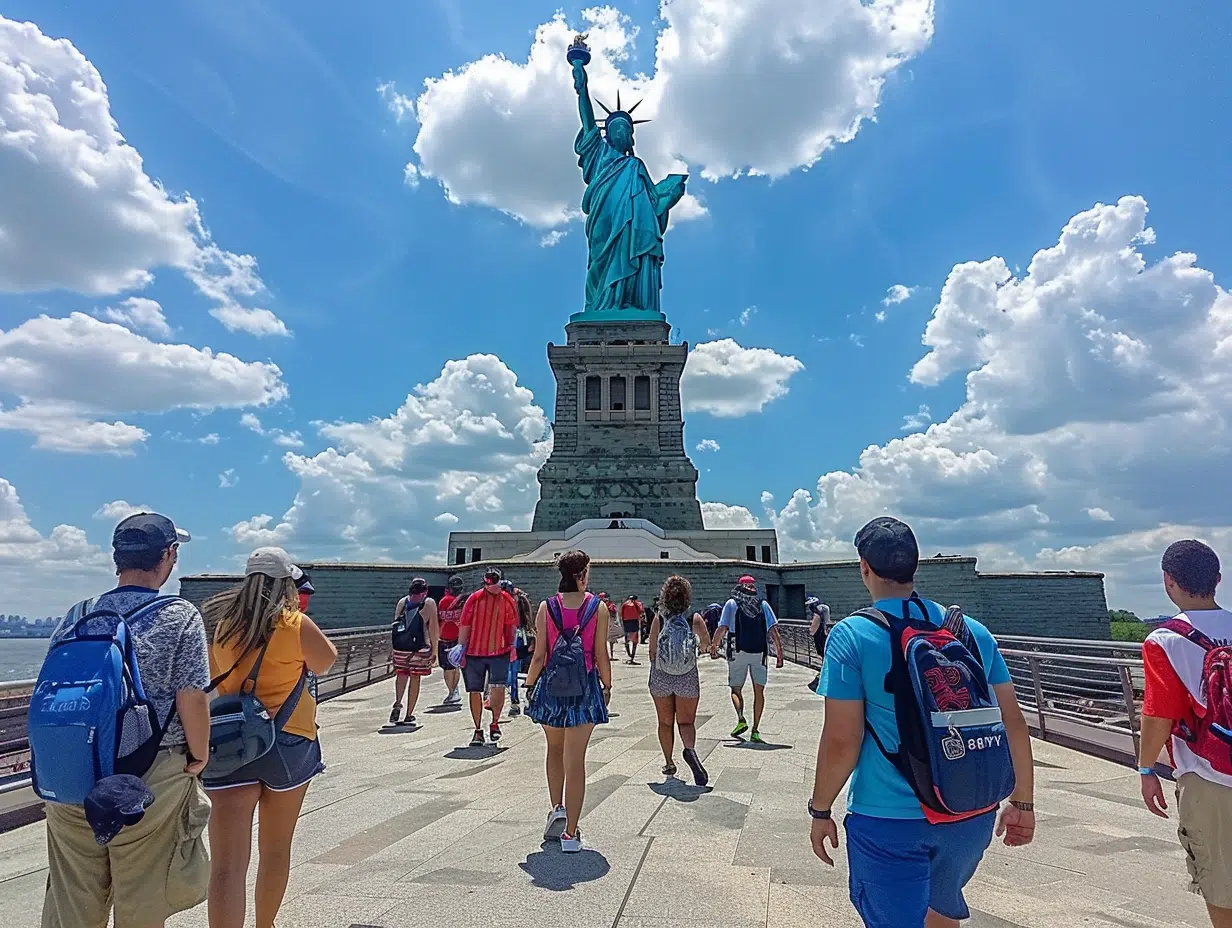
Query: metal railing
column 1081, row 694
column 364, row 657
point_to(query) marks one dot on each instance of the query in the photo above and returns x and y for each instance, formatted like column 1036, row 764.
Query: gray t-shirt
column 171, row 648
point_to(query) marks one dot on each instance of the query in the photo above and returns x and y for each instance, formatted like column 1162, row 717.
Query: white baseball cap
column 273, row 562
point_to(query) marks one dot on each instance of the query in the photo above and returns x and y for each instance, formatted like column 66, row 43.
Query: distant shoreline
column 24, row 637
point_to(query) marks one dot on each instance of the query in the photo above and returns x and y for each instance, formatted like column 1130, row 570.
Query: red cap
column 746, row 580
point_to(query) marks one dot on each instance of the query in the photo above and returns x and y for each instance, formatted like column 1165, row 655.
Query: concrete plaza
column 409, row 829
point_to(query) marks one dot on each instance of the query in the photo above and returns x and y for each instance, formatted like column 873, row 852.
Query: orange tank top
column 280, row 671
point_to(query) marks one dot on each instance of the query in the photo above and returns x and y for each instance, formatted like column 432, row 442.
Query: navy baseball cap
column 889, row 548
column 147, row 532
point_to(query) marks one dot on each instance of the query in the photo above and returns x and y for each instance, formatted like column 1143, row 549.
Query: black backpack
column 565, row 673
column 409, row 634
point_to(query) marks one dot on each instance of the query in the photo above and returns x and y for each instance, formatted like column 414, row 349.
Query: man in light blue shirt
column 751, row 623
column 903, row 870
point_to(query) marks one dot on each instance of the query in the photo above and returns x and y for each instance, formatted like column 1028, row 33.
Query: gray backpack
column 676, row 648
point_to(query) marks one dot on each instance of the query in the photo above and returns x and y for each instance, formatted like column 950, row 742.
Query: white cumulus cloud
column 721, row 515
column 139, row 312
column 118, row 510
column 899, row 293
column 707, row 444
column 738, row 87
column 1093, row 380
column 918, row 419
column 46, row 573
column 68, row 374
column 462, row 450
column 726, row 379
column 78, row 210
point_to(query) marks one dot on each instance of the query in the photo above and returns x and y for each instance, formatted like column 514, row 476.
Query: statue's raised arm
column 579, row 57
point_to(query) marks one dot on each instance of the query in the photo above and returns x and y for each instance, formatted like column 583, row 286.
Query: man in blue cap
column 904, row 872
column 159, row 865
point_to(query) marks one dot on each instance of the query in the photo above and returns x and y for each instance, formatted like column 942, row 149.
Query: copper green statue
column 626, row 212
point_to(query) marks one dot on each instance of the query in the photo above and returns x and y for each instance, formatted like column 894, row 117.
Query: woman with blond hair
column 676, row 636
column 572, row 696
column 261, row 636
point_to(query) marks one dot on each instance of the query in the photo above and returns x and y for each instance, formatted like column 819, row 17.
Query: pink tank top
column 569, row 619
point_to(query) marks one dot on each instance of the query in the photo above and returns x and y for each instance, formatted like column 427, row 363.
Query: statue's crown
column 619, row 113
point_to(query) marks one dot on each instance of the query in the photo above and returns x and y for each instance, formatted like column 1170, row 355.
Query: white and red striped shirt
column 1173, row 666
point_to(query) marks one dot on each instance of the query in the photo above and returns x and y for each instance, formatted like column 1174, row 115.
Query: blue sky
column 1080, row 417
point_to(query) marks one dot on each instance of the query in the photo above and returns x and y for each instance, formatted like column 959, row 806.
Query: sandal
column 669, row 769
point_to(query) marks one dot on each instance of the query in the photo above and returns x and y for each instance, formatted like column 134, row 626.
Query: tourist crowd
column 198, row 720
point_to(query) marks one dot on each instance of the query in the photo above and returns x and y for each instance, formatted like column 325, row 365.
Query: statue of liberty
column 626, row 212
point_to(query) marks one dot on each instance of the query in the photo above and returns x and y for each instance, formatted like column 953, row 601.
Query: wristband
column 820, row 815
column 1023, row 806
column 1146, row 772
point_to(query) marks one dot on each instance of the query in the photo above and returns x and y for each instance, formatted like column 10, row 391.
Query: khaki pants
column 148, row 872
column 1204, row 810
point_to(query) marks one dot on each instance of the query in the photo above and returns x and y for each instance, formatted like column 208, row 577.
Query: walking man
column 487, row 632
column 1188, row 666
column 449, row 611
column 750, row 622
column 631, row 617
column 906, row 871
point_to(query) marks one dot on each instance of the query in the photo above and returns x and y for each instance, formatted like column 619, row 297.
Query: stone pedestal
column 618, row 447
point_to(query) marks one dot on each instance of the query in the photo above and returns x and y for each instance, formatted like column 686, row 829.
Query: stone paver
column 410, row 829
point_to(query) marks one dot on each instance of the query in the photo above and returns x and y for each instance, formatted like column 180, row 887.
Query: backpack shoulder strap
column 292, row 700
column 873, row 614
column 955, row 622
column 590, row 608
column 1191, row 632
column 553, row 603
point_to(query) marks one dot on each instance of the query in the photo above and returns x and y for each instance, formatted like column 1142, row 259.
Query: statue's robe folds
column 626, row 215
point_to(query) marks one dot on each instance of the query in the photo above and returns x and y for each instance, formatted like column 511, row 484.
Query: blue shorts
column 901, row 868
column 290, row 763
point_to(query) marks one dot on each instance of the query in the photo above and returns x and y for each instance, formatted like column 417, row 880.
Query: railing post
column 346, row 667
column 1131, row 707
column 1033, row 663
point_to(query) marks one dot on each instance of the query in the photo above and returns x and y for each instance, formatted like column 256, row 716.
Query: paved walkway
column 407, row 829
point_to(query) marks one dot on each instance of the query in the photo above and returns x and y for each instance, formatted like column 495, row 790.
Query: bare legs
column 1220, row 918
column 413, row 696
column 759, row 704
column 686, row 721
column 231, row 851
column 497, row 695
column 275, row 827
column 451, row 681
column 665, row 708
column 566, row 770
column 934, row 920
column 399, row 688
column 737, row 696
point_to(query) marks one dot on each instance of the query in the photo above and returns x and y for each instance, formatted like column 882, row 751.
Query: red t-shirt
column 449, row 613
column 630, row 612
column 493, row 621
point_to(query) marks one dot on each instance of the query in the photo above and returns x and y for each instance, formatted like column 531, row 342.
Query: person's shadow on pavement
column 551, row 868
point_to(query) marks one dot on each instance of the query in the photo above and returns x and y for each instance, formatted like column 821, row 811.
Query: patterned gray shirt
column 171, row 648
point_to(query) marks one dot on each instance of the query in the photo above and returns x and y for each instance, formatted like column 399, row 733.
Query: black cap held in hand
column 115, row 802
column 889, row 548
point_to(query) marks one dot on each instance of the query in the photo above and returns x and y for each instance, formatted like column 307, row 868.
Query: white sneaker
column 571, row 845
column 452, row 698
column 556, row 824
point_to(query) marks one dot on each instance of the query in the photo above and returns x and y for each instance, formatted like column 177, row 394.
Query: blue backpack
column 89, row 716
column 565, row 673
column 952, row 749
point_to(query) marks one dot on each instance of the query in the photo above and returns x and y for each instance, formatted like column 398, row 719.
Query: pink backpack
column 1209, row 733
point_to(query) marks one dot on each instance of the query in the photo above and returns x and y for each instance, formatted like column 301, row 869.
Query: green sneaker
column 741, row 727
column 755, row 737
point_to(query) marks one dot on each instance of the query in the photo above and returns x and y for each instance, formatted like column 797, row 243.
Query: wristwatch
column 819, row 814
column 1023, row 806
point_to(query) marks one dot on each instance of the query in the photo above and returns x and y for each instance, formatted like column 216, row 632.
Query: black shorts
column 442, row 654
column 632, row 627
column 476, row 671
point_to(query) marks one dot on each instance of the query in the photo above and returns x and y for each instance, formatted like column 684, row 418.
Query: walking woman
column 676, row 635
column 260, row 625
column 569, row 698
